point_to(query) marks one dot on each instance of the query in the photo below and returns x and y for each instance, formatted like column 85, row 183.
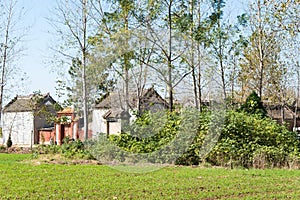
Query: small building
column 65, row 125
column 23, row 116
column 109, row 115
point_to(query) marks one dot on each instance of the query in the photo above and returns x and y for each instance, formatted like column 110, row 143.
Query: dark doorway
column 62, row 133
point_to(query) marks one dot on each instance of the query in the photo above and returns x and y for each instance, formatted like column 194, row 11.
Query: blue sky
column 35, row 62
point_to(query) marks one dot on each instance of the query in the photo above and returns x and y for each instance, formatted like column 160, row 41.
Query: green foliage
column 254, row 105
column 249, row 141
column 191, row 156
column 9, row 142
column 146, row 135
column 245, row 141
column 69, row 149
column 152, row 138
column 2, row 148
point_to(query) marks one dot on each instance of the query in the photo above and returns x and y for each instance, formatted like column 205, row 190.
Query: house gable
column 148, row 98
column 28, row 103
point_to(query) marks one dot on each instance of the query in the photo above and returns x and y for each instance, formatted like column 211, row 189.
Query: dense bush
column 254, row 105
column 247, row 140
column 148, row 134
column 152, row 138
column 234, row 138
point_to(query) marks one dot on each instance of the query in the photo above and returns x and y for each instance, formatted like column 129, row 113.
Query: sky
column 35, row 61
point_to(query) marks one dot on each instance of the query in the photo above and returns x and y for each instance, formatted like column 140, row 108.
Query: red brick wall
column 45, row 136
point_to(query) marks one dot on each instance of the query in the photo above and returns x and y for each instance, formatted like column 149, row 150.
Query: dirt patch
column 16, row 150
column 59, row 159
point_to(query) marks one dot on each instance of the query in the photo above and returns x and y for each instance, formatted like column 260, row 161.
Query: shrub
column 2, row 148
column 249, row 140
column 9, row 141
column 246, row 140
column 268, row 157
column 152, row 138
column 69, row 149
column 254, row 105
column 147, row 134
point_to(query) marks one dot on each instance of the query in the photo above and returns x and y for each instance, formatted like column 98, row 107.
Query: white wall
column 115, row 127
column 98, row 124
column 20, row 125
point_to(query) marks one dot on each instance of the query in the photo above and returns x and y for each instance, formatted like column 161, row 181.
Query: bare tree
column 11, row 37
column 169, row 46
column 260, row 67
column 72, row 23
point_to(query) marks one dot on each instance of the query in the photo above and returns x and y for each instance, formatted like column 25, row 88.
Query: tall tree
column 73, row 25
column 260, row 65
column 169, row 44
column 218, row 41
column 286, row 20
column 194, row 23
column 115, row 26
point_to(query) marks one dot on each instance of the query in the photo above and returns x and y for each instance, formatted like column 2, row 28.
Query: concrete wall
column 114, row 127
column 20, row 125
column 99, row 123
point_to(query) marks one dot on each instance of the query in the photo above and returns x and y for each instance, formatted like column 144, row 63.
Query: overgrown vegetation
column 247, row 138
column 74, row 149
column 159, row 133
column 252, row 141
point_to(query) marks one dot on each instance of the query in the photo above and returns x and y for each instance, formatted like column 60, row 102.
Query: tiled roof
column 27, row 103
column 67, row 110
column 116, row 100
column 115, row 114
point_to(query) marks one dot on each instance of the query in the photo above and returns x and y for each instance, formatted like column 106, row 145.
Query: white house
column 23, row 116
column 109, row 114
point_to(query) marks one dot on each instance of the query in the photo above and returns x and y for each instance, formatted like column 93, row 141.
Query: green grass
column 21, row 180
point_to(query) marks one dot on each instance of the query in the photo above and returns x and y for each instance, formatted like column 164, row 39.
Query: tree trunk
column 297, row 98
column 199, row 78
column 170, row 80
column 126, row 67
column 84, row 64
column 193, row 55
column 199, row 63
column 4, row 60
column 220, row 55
column 261, row 53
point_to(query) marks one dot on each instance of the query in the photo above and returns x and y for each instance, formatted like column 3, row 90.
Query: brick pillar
column 75, row 130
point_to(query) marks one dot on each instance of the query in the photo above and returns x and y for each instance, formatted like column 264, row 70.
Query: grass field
column 21, row 180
